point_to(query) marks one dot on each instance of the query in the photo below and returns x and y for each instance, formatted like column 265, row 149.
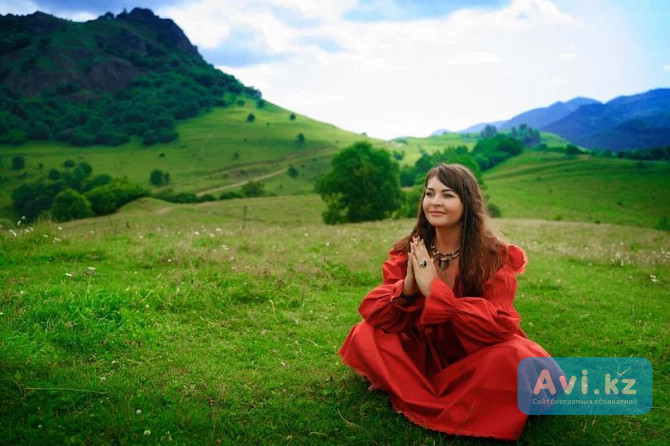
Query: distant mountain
column 541, row 117
column 479, row 127
column 638, row 121
column 627, row 122
column 103, row 81
column 440, row 132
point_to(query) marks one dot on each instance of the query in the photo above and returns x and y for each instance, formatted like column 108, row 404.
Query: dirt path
column 230, row 186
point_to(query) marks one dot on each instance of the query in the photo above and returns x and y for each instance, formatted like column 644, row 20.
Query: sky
column 393, row 68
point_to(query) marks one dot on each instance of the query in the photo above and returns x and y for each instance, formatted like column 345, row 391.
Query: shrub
column 70, row 205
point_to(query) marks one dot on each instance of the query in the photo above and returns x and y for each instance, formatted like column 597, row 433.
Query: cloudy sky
column 409, row 67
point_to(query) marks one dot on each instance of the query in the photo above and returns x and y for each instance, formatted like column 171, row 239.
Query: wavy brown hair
column 481, row 244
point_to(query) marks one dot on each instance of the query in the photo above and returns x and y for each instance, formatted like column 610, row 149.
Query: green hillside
column 553, row 186
column 214, row 150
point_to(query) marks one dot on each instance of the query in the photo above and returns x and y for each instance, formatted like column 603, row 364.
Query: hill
column 214, row 150
column 105, row 80
column 555, row 186
column 540, row 118
column 638, row 121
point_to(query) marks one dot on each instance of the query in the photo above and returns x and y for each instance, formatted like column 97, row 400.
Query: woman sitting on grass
column 441, row 335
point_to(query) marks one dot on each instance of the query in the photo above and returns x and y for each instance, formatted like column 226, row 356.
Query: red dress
column 449, row 363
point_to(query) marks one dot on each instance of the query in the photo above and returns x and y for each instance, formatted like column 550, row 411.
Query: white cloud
column 475, row 58
column 17, row 8
column 666, row 67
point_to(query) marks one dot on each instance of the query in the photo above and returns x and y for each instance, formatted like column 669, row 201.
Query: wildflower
column 69, row 274
column 196, row 233
column 138, row 412
column 103, row 379
column 60, row 228
column 147, row 432
column 653, row 278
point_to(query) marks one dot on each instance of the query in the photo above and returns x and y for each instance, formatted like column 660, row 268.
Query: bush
column 18, row 162
column 229, row 195
column 70, row 205
column 108, row 198
column 253, row 189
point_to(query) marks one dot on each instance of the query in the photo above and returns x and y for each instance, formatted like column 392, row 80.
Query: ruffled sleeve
column 382, row 307
column 480, row 321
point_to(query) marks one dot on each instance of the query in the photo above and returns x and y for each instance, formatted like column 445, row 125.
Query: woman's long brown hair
column 480, row 248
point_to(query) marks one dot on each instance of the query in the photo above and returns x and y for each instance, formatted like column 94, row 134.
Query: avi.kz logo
column 607, row 386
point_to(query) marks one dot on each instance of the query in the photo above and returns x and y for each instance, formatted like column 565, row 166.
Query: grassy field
column 553, row 186
column 219, row 323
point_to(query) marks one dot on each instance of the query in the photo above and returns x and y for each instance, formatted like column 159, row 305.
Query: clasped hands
column 419, row 274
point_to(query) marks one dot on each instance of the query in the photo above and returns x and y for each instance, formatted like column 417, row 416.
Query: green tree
column 292, row 171
column 18, row 162
column 156, row 177
column 251, row 117
column 70, row 205
column 253, row 189
column 300, row 138
column 362, row 185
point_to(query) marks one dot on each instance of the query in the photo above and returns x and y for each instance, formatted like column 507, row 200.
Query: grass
column 220, row 323
column 553, row 186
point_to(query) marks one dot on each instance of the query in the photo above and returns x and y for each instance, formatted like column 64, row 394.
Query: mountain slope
column 539, row 118
column 636, row 121
column 102, row 81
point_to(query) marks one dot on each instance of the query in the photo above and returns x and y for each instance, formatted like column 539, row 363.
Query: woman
column 441, row 335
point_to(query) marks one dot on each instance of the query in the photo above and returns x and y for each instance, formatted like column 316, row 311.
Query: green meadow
column 219, row 323
column 555, row 186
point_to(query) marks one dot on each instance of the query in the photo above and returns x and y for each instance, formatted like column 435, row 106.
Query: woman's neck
column 448, row 239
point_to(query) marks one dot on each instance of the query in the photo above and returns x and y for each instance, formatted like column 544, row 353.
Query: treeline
column 73, row 192
column 652, row 154
column 487, row 153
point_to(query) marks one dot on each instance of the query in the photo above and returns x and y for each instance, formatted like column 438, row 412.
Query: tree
column 251, row 117
column 300, row 138
column 363, row 185
column 292, row 117
column 253, row 189
column 489, row 131
column 70, row 205
column 18, row 162
column 156, row 177
column 292, row 171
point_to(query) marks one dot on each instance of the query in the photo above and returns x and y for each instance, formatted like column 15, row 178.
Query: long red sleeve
column 479, row 321
column 381, row 308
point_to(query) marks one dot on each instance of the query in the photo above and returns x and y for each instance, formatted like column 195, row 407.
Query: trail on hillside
column 230, row 186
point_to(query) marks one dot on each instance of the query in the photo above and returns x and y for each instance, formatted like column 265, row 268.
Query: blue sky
column 403, row 67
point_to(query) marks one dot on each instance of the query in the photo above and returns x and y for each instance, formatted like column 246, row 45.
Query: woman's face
column 442, row 206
